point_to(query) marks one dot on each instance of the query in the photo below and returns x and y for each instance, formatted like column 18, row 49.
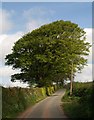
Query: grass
column 67, row 98
column 79, row 104
column 75, row 110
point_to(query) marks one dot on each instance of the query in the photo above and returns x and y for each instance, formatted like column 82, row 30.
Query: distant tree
column 49, row 52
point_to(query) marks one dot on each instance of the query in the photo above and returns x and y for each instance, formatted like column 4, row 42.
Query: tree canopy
column 46, row 54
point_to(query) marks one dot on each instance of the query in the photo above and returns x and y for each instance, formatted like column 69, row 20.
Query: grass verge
column 79, row 104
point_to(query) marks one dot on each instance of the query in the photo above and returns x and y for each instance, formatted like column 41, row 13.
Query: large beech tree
column 53, row 50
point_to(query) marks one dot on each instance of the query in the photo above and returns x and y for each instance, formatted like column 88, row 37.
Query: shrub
column 15, row 100
column 80, row 102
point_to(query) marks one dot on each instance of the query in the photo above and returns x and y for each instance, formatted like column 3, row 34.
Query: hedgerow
column 16, row 100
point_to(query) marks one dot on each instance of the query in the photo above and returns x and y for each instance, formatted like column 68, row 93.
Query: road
column 47, row 108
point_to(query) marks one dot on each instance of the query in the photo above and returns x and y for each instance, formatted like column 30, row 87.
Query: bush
column 16, row 100
column 80, row 102
column 81, row 89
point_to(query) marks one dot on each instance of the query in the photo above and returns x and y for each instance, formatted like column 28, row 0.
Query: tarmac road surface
column 47, row 108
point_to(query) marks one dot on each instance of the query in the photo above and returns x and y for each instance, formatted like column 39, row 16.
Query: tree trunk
column 71, row 80
column 57, row 84
column 71, row 87
column 62, row 82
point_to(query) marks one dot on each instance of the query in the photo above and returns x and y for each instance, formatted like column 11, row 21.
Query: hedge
column 16, row 100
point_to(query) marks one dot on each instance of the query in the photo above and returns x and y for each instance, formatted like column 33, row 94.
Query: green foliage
column 82, row 89
column 80, row 102
column 92, row 100
column 43, row 91
column 67, row 98
column 45, row 54
column 77, row 111
column 49, row 90
column 16, row 100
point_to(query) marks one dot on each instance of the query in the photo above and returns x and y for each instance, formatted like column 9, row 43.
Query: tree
column 55, row 49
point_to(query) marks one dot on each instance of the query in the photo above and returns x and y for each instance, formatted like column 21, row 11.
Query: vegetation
column 51, row 53
column 16, row 100
column 79, row 105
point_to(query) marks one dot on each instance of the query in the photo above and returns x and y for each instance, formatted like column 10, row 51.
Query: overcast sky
column 20, row 18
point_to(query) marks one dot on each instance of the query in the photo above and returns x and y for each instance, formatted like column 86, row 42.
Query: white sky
column 7, row 41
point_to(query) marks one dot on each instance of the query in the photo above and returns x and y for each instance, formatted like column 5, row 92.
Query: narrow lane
column 47, row 108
